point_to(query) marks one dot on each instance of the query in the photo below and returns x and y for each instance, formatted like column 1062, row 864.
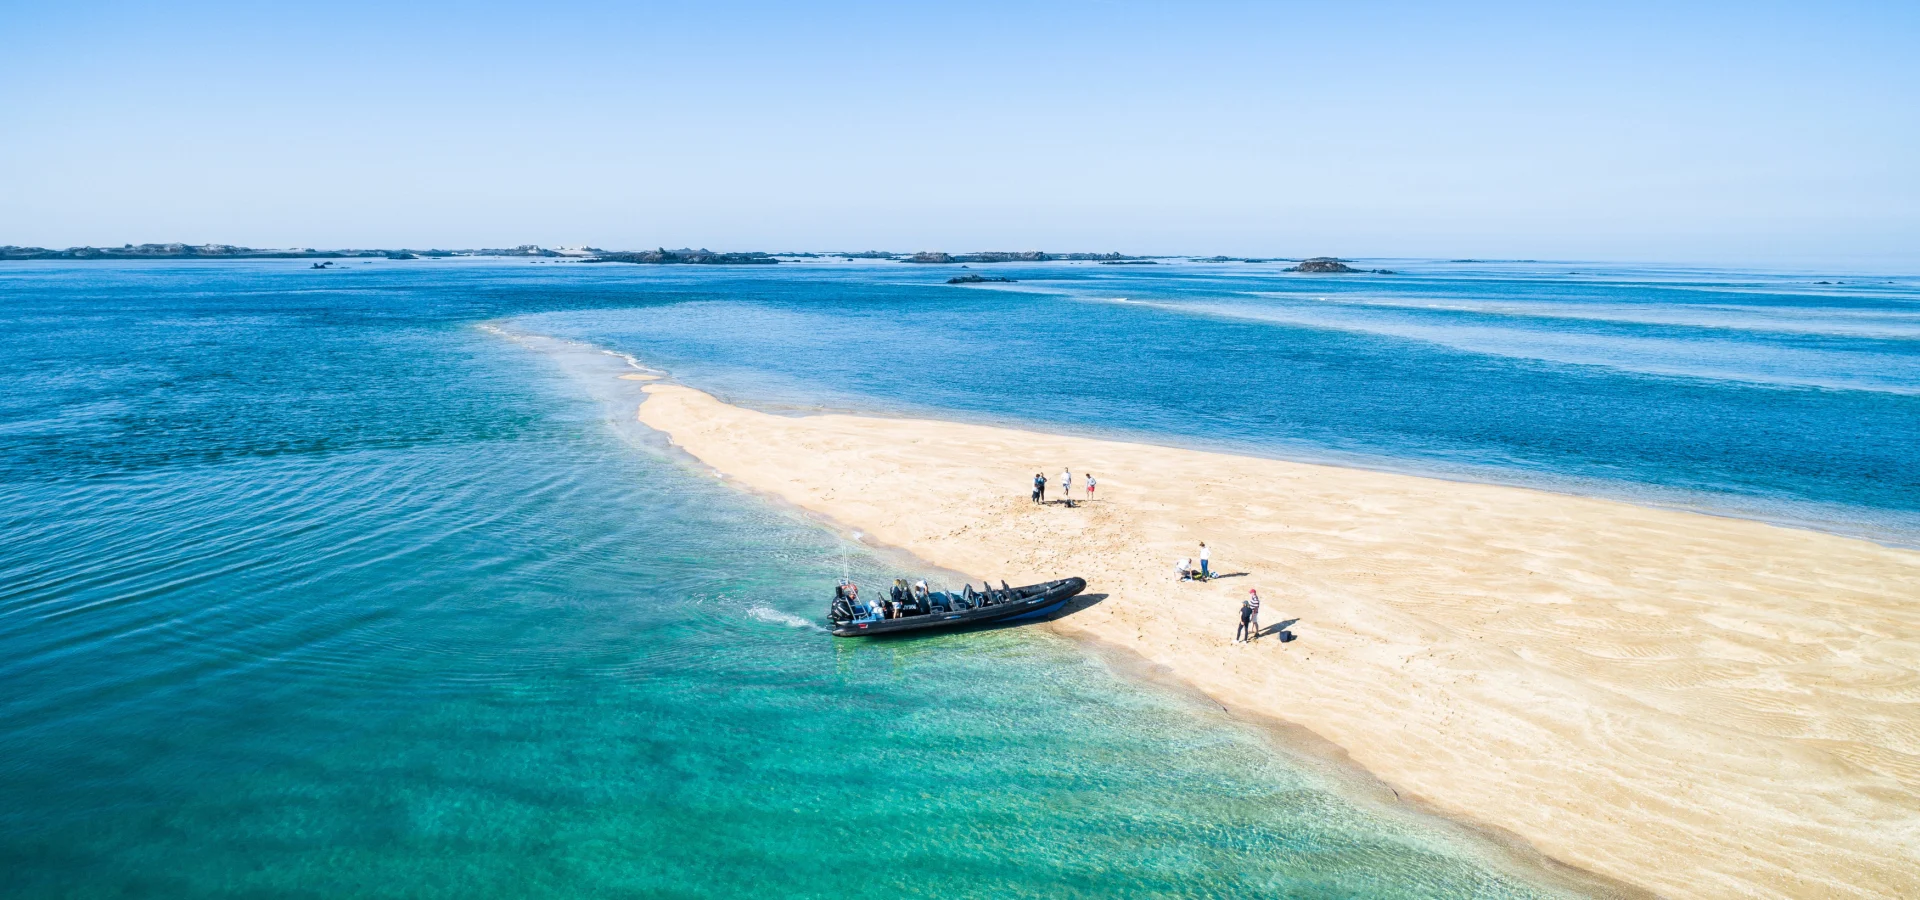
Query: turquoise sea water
column 1769, row 395
column 310, row 584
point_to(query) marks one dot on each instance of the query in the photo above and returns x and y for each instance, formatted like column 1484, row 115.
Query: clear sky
column 1717, row 133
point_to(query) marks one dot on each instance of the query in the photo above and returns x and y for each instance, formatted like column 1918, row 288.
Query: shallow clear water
column 315, row 587
column 310, row 584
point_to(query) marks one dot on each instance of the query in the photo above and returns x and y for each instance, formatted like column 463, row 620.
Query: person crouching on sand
column 1246, row 616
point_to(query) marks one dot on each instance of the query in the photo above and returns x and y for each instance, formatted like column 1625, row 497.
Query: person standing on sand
column 1039, row 488
column 1066, row 486
column 1206, row 570
column 1246, row 615
column 1090, row 483
column 1253, row 614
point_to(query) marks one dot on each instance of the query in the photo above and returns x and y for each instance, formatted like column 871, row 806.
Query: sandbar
column 1695, row 705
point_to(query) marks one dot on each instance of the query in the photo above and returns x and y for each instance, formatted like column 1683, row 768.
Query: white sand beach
column 1700, row 706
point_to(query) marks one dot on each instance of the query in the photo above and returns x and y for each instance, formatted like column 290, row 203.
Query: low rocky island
column 177, row 251
column 230, row 251
column 659, row 256
column 1321, row 265
column 999, row 256
column 977, row 279
column 1324, row 265
column 701, row 257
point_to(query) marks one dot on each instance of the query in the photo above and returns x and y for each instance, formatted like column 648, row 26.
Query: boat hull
column 1044, row 600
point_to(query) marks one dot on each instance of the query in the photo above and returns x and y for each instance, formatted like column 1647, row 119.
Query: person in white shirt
column 1253, row 614
column 1066, row 486
column 1090, row 483
column 1183, row 570
column 1206, row 557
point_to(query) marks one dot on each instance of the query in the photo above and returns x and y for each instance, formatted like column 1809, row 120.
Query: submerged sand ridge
column 1701, row 706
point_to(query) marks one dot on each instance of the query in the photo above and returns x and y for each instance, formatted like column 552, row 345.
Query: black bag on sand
column 1285, row 635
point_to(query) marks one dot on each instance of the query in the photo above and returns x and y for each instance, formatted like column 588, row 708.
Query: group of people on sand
column 1185, row 571
column 1066, row 487
column 1249, row 608
column 1249, row 618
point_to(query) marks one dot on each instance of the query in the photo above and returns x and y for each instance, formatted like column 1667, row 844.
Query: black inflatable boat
column 916, row 609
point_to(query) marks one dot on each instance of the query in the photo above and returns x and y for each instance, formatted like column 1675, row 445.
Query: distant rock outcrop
column 177, row 251
column 1322, row 265
column 229, row 251
column 999, row 256
column 1005, row 256
column 1330, row 265
column 977, row 279
column 703, row 257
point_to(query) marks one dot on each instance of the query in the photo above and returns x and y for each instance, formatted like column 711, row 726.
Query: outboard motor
column 840, row 610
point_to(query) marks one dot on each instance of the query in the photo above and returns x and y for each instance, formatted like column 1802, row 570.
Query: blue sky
column 1718, row 133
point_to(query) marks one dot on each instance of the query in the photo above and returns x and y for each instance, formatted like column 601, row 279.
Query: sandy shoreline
column 1695, row 705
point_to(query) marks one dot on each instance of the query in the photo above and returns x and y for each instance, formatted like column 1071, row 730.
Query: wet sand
column 1700, row 706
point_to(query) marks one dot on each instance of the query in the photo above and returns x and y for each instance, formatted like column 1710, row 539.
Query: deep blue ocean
column 311, row 583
